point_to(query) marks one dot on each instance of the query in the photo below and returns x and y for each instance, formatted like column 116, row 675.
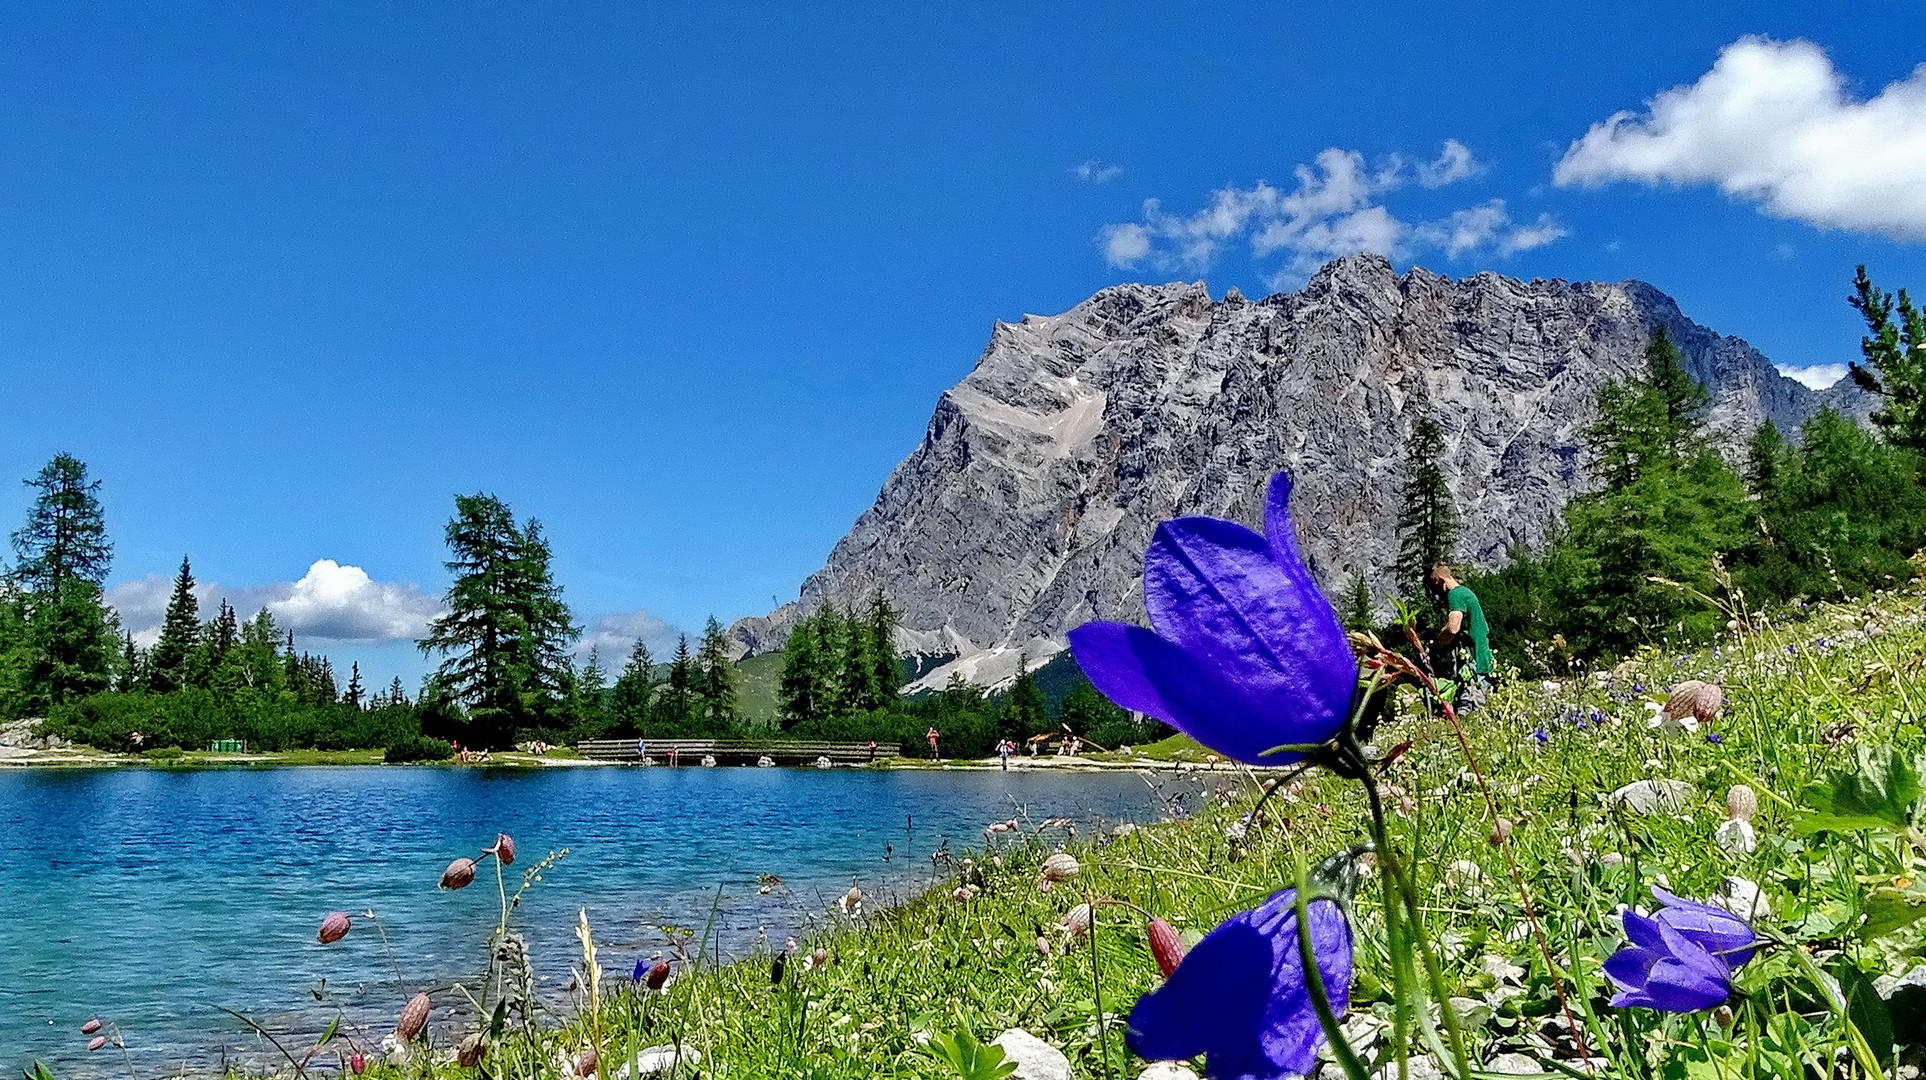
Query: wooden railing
column 687, row 752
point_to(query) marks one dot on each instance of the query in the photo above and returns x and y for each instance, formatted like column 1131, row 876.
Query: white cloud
column 616, row 634
column 1455, row 163
column 1817, row 376
column 330, row 604
column 1774, row 123
column 1097, row 172
column 1333, row 210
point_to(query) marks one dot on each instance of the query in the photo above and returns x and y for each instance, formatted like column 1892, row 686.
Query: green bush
column 417, row 748
column 164, row 753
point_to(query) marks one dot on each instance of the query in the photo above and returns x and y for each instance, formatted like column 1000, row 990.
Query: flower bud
column 1741, row 803
column 818, row 958
column 469, row 1053
column 96, row 1043
column 357, row 1063
column 1165, row 945
column 658, row 975
column 1706, row 701
column 504, row 849
column 333, row 928
column 1060, row 867
column 1043, row 946
column 459, row 873
column 1722, row 1016
column 1683, row 701
column 1500, row 832
column 1076, row 921
column 414, row 1018
column 90, row 1026
column 587, row 1063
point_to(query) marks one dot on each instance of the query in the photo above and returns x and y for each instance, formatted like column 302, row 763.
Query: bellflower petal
column 1256, row 657
column 1240, row 998
column 1681, row 958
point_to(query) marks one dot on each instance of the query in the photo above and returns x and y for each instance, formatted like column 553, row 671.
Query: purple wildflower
column 1240, row 998
column 1638, row 688
column 1715, row 738
column 1542, row 736
column 1792, row 650
column 1598, row 716
column 1246, row 655
column 1682, row 956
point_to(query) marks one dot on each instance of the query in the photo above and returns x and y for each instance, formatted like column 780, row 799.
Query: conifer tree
column 677, row 705
column 1428, row 522
column 132, row 675
column 397, row 694
column 505, row 638
column 635, row 688
column 1764, row 460
column 1357, row 615
column 65, row 537
column 168, row 662
column 716, row 676
column 73, row 644
column 886, row 678
column 1895, row 367
column 210, row 661
column 256, row 658
column 1025, row 712
column 802, row 690
column 352, row 698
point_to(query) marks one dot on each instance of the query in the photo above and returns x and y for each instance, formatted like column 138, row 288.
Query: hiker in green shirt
column 1465, row 637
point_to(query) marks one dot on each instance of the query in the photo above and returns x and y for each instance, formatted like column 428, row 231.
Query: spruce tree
column 886, row 677
column 716, row 676
column 65, row 537
column 1025, row 712
column 132, row 675
column 1357, row 615
column 505, row 638
column 677, row 705
column 802, row 690
column 635, row 688
column 1683, row 402
column 257, row 658
column 168, row 662
column 209, row 664
column 397, row 694
column 1895, row 367
column 73, row 644
column 1428, row 521
column 1764, row 460
column 352, row 698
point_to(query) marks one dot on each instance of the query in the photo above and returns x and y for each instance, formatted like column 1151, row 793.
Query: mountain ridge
column 1026, row 507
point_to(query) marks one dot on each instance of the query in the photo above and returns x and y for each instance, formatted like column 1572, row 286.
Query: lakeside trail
column 1578, row 797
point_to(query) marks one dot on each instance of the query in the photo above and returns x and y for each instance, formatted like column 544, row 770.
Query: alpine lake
column 155, row 899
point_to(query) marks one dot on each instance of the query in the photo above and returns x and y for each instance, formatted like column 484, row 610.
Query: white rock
column 659, row 1060
column 1742, row 897
column 1514, row 1065
column 1653, row 796
column 1034, row 1059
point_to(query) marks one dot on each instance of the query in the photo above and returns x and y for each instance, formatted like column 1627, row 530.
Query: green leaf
column 972, row 1060
column 39, row 1072
column 1888, row 910
column 1877, row 792
column 1864, row 1007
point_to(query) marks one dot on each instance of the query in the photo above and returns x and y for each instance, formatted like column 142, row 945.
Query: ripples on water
column 150, row 897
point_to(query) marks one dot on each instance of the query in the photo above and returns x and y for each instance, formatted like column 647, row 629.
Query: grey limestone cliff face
column 1026, row 509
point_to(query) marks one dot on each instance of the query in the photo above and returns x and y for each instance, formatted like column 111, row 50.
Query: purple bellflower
column 1247, row 654
column 1682, row 956
column 1239, row 996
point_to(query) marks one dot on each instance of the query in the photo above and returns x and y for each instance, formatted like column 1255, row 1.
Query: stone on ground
column 1034, row 1059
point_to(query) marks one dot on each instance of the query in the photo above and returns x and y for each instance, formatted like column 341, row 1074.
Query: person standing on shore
column 1003, row 748
column 932, row 738
column 1463, row 652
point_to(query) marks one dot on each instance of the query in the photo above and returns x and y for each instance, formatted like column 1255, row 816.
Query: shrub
column 417, row 748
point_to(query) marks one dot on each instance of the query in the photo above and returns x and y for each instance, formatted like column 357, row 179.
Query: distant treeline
column 1671, row 524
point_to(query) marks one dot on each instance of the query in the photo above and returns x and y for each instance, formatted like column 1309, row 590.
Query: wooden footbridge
column 685, row 753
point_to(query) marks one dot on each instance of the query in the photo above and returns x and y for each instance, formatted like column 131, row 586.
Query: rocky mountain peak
column 1027, row 506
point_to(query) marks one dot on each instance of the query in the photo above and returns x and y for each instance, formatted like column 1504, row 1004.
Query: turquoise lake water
column 151, row 898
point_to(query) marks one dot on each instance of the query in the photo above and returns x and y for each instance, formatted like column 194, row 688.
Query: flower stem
column 1347, row 1058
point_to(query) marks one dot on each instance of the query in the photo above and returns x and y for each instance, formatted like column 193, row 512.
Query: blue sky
column 685, row 281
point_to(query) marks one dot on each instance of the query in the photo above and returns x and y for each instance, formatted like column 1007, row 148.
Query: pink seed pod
column 357, row 1063
column 658, row 975
column 504, row 849
column 414, row 1019
column 818, row 958
column 1043, row 946
column 96, row 1042
column 1706, row 702
column 1076, row 921
column 1500, row 832
column 1165, row 945
column 587, row 1063
column 1741, row 803
column 469, row 1053
column 333, row 928
column 1060, row 867
column 459, row 873
column 90, row 1026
